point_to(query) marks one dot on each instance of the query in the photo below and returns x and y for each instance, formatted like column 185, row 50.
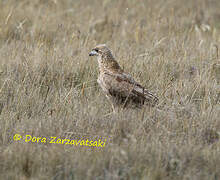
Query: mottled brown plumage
column 120, row 88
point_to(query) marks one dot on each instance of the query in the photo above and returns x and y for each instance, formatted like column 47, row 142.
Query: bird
column 119, row 87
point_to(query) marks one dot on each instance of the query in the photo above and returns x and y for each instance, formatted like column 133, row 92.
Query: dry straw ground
column 48, row 88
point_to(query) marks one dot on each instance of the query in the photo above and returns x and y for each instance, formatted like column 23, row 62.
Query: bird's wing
column 125, row 85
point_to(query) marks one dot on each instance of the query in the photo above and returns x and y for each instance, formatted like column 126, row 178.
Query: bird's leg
column 114, row 109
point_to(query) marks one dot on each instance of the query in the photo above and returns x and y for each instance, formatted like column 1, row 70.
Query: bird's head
column 105, row 57
column 101, row 51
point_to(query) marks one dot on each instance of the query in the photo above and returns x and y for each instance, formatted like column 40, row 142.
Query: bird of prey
column 119, row 87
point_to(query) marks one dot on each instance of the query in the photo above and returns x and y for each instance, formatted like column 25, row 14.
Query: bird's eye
column 96, row 50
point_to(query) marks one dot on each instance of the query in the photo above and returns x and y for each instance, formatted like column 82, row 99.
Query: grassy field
column 48, row 88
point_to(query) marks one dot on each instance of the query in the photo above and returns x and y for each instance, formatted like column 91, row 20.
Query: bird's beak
column 93, row 53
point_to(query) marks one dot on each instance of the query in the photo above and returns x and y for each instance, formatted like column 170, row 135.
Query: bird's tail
column 150, row 99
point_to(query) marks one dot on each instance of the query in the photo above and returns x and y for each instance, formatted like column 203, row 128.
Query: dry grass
column 48, row 88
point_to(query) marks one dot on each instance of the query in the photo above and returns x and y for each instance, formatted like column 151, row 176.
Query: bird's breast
column 99, row 80
column 102, row 83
